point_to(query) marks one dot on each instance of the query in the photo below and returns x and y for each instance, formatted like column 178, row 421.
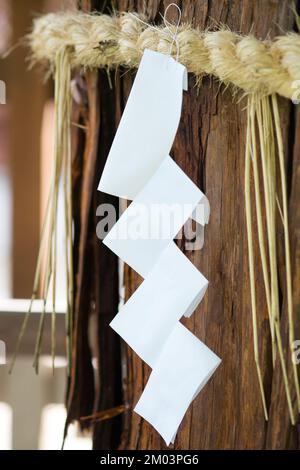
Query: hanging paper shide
column 139, row 168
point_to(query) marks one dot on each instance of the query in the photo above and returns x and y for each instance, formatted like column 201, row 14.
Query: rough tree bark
column 209, row 147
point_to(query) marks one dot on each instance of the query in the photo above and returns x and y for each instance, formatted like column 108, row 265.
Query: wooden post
column 210, row 147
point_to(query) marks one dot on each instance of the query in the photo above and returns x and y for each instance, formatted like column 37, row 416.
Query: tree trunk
column 209, row 147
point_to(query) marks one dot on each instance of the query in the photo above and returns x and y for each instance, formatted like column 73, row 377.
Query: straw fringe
column 263, row 114
column 251, row 264
column 48, row 244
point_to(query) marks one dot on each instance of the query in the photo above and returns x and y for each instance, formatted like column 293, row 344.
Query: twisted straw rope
column 264, row 67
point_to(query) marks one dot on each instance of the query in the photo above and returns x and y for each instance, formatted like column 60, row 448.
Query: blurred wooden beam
column 26, row 95
column 12, row 312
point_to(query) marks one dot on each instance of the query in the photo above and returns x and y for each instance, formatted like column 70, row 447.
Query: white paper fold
column 148, row 317
column 155, row 217
column 164, row 198
column 183, row 368
column 148, row 125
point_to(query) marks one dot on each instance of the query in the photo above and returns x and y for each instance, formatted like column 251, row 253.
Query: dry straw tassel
column 48, row 243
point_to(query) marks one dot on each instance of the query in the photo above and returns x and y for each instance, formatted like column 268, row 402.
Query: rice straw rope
column 96, row 40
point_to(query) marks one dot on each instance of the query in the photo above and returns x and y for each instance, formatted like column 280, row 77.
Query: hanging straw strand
column 251, row 262
column 51, row 247
column 260, row 223
column 267, row 150
column 68, row 227
column 48, row 245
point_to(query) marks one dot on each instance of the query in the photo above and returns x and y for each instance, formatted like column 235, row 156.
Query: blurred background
column 32, row 411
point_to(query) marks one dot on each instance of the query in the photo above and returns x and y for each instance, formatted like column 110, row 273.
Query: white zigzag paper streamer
column 164, row 198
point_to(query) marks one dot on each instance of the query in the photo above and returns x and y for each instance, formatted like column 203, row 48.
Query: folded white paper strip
column 185, row 365
column 148, row 125
column 155, row 217
column 152, row 312
column 164, row 198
